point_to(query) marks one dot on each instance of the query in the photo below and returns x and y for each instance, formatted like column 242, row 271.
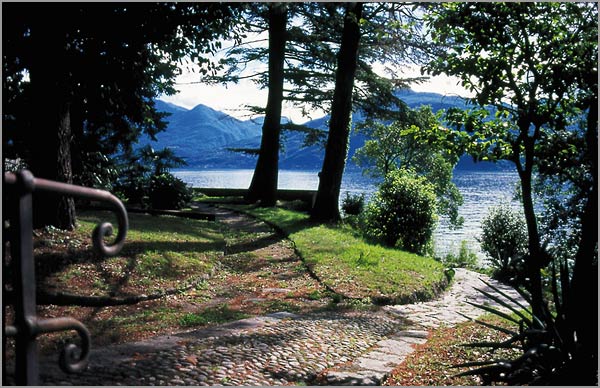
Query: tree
column 387, row 33
column 330, row 178
column 313, row 38
column 419, row 144
column 536, row 63
column 263, row 187
column 91, row 83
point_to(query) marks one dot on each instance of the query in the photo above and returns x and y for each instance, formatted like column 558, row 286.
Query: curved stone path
column 333, row 347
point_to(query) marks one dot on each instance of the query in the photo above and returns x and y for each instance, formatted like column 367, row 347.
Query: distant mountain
column 163, row 106
column 296, row 157
column 194, row 134
column 203, row 135
column 436, row 101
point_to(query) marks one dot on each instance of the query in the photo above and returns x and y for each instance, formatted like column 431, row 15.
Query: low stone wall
column 307, row 196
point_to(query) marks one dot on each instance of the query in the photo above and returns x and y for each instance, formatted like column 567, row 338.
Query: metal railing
column 27, row 325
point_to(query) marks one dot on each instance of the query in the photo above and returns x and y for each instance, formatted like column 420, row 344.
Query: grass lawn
column 160, row 253
column 226, row 274
column 348, row 265
column 209, row 273
column 205, row 272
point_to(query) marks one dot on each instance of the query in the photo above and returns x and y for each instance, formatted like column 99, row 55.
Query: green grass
column 158, row 250
column 215, row 315
column 351, row 266
column 160, row 229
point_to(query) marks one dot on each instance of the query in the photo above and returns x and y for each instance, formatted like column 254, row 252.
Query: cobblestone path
column 333, row 348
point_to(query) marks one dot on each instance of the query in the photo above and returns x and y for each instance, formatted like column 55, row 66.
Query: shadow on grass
column 286, row 223
column 136, row 247
column 253, row 245
column 152, row 224
column 52, row 263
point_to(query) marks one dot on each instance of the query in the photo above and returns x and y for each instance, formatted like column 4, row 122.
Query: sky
column 234, row 97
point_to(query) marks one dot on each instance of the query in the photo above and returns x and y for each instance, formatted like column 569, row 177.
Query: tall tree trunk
column 533, row 264
column 584, row 283
column 263, row 187
column 51, row 132
column 326, row 206
column 537, row 257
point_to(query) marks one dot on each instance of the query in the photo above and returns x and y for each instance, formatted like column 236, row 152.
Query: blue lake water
column 480, row 190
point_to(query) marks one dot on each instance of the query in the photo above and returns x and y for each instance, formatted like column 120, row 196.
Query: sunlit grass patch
column 349, row 265
column 160, row 252
column 172, row 265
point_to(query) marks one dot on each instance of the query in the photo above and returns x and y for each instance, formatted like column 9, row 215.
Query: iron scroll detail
column 27, row 325
column 105, row 229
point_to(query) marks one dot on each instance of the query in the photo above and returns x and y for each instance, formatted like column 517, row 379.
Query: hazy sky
column 234, row 97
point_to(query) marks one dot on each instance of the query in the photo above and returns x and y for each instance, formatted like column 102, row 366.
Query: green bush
column 402, row 213
column 465, row 258
column 504, row 241
column 353, row 204
column 168, row 192
column 143, row 167
column 133, row 190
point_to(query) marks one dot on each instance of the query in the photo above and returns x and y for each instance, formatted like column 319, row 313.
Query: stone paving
column 448, row 310
column 325, row 348
column 330, row 348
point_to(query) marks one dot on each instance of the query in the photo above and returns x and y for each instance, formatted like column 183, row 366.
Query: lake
column 480, row 190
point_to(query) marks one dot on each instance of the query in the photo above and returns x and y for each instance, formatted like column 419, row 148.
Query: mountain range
column 203, row 136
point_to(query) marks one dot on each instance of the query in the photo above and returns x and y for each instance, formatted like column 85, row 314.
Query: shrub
column 142, row 168
column 504, row 241
column 353, row 204
column 168, row 192
column 465, row 259
column 132, row 190
column 402, row 213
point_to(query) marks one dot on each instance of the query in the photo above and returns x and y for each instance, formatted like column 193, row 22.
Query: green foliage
column 518, row 66
column 419, row 143
column 144, row 177
column 402, row 213
column 353, row 204
column 465, row 258
column 168, row 192
column 536, row 64
column 504, row 241
column 495, row 47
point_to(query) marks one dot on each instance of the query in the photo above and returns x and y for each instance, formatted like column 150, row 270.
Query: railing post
column 27, row 326
column 26, row 352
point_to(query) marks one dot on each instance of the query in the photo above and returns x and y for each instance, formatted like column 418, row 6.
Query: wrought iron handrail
column 27, row 325
column 30, row 184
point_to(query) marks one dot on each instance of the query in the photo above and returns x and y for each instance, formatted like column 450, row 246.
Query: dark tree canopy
column 112, row 73
column 537, row 64
column 91, row 87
